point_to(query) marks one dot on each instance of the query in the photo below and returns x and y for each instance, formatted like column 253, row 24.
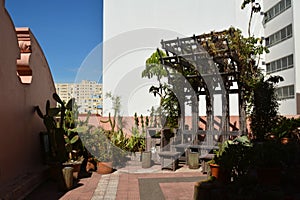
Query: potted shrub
column 73, row 143
column 98, row 144
column 232, row 159
column 219, row 165
column 287, row 129
column 104, row 156
column 136, row 143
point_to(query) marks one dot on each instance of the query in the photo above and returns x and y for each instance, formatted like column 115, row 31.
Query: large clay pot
column 215, row 170
column 104, row 167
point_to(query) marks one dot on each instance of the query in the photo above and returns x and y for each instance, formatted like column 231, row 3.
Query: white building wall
column 296, row 32
column 279, row 22
column 133, row 30
column 267, row 4
column 287, row 47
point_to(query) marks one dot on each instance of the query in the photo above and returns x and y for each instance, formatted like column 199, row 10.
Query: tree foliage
column 255, row 8
column 154, row 68
column 264, row 114
column 170, row 110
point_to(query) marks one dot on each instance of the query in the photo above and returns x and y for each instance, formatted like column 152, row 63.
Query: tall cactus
column 56, row 132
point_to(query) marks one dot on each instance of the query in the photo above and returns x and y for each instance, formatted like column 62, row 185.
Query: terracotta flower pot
column 215, row 170
column 221, row 174
column 104, row 167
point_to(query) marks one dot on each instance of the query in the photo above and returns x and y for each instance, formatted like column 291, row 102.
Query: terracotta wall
column 20, row 152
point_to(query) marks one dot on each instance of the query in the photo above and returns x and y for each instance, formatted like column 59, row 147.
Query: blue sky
column 67, row 31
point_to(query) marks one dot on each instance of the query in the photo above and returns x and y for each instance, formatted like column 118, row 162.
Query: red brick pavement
column 85, row 190
column 128, row 188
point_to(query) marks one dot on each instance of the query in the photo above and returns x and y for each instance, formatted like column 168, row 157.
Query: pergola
column 205, row 65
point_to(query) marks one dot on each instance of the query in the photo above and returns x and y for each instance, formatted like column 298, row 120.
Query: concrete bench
column 169, row 159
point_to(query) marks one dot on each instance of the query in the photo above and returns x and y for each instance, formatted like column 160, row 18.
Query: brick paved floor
column 129, row 187
column 124, row 184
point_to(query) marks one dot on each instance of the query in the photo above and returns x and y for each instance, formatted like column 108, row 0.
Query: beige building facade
column 87, row 94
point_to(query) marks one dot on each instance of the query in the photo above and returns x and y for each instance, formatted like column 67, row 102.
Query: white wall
column 133, row 30
column 296, row 33
column 285, row 48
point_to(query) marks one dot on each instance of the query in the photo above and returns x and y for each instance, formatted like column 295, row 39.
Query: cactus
column 116, row 107
column 57, row 132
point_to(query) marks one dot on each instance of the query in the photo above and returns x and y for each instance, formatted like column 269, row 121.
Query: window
column 276, row 10
column 284, row 63
column 279, row 36
column 290, row 60
column 283, row 34
column 289, row 30
column 280, row 64
column 285, row 92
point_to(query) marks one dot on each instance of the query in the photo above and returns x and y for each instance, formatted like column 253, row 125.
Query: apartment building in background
column 282, row 37
column 87, row 94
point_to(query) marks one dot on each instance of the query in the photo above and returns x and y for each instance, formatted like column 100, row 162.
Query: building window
column 286, row 92
column 280, row 64
column 279, row 36
column 276, row 10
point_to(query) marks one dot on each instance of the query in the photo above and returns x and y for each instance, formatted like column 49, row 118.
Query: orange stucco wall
column 20, row 151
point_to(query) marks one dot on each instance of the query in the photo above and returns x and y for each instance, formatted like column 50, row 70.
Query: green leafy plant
column 234, row 156
column 104, row 146
column 169, row 104
column 264, row 114
column 136, row 142
column 268, row 154
column 97, row 143
column 287, row 127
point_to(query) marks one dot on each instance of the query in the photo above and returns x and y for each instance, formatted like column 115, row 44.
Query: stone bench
column 172, row 157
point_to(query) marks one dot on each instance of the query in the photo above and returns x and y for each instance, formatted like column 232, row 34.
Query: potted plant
column 286, row 129
column 73, row 143
column 219, row 164
column 232, row 159
column 136, row 143
column 99, row 145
